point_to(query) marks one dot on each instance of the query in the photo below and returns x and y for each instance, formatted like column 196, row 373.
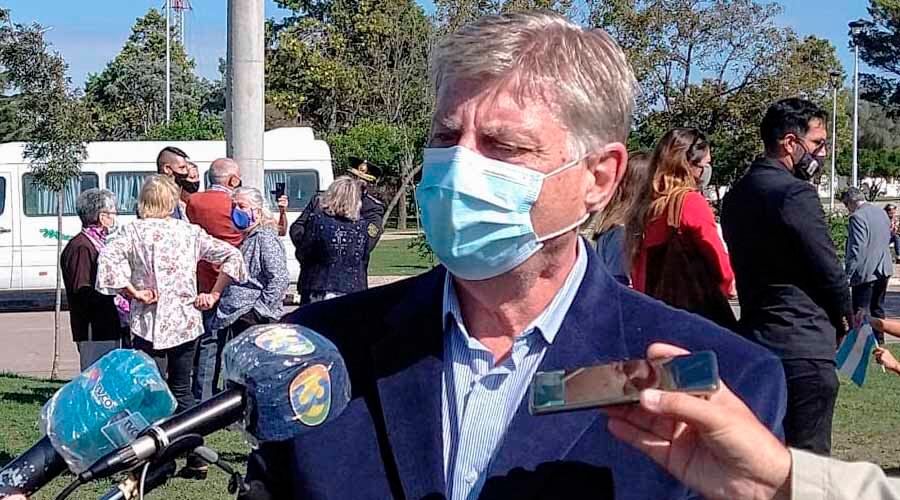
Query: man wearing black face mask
column 173, row 162
column 792, row 289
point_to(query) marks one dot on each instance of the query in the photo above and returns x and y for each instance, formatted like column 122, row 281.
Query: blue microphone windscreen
column 295, row 378
column 106, row 407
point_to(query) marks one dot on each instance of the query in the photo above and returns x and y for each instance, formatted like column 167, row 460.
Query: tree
column 59, row 123
column 453, row 14
column 335, row 64
column 715, row 65
column 128, row 96
column 189, row 126
column 879, row 47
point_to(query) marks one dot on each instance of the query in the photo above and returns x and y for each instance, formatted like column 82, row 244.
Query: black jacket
column 792, row 288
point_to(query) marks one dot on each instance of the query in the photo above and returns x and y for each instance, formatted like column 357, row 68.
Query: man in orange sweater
column 211, row 210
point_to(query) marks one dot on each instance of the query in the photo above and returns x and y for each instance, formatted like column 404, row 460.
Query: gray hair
column 854, row 195
column 91, row 202
column 343, row 198
column 223, row 168
column 581, row 74
column 257, row 200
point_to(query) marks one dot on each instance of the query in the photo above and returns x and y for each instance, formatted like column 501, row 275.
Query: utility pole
column 835, row 81
column 168, row 61
column 856, row 28
column 245, row 89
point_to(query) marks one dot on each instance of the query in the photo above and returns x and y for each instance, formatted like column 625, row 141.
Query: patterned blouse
column 264, row 291
column 162, row 255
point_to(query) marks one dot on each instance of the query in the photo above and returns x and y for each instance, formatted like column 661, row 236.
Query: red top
column 211, row 210
column 697, row 220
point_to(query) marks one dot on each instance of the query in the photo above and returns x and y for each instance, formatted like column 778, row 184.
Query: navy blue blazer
column 388, row 442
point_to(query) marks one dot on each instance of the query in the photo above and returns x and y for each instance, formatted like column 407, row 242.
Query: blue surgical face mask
column 242, row 219
column 476, row 212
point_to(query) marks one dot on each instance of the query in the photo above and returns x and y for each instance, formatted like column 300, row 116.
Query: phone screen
column 621, row 382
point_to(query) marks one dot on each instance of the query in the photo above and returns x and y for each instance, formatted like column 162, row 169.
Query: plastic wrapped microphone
column 284, row 380
column 100, row 410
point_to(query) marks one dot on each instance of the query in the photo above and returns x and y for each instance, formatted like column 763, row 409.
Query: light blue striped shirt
column 478, row 399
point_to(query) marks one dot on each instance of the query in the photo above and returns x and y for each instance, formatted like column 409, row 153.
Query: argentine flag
column 853, row 356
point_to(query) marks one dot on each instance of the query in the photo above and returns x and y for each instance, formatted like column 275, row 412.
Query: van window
column 299, row 186
column 40, row 202
column 2, row 195
column 127, row 187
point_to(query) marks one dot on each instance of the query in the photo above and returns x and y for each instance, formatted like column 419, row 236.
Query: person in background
column 259, row 300
column 282, row 214
column 869, row 265
column 672, row 205
column 793, row 291
column 173, row 163
column 607, row 227
column 335, row 246
column 94, row 317
column 718, row 448
column 891, row 211
column 155, row 260
column 211, row 210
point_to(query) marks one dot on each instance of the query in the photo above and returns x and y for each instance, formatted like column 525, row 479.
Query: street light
column 856, row 28
column 835, row 77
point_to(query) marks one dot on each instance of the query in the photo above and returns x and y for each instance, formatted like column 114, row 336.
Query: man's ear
column 605, row 170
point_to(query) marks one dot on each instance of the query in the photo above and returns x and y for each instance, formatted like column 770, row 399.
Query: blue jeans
column 206, row 362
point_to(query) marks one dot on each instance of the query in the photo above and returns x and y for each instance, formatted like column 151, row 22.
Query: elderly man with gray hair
column 527, row 141
column 868, row 256
column 95, row 318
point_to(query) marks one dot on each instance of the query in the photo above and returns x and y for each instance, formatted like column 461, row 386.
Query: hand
column 282, row 202
column 206, row 301
column 885, row 358
column 146, row 296
column 716, row 447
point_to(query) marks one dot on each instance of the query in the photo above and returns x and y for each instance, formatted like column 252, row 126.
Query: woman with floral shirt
column 155, row 260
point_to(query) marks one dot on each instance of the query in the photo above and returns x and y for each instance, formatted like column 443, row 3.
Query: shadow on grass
column 892, row 471
column 28, row 396
column 5, row 458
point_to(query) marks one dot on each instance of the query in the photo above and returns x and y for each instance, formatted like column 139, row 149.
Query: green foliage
column 381, row 143
column 189, row 126
column 837, row 225
column 128, row 96
column 420, row 245
column 335, row 64
column 879, row 47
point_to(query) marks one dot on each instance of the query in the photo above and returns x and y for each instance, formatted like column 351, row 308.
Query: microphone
column 98, row 411
column 284, row 381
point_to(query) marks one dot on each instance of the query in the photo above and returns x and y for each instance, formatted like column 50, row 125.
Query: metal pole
column 168, row 62
column 833, row 146
column 855, row 115
column 181, row 28
column 244, row 137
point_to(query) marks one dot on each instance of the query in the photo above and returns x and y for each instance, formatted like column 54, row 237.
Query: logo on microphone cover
column 311, row 395
column 286, row 341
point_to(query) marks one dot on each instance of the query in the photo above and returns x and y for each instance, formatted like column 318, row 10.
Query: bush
column 837, row 224
column 421, row 247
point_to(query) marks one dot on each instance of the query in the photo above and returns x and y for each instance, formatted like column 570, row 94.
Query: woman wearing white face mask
column 95, row 318
column 673, row 240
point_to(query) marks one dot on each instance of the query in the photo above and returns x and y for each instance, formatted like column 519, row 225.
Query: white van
column 28, row 215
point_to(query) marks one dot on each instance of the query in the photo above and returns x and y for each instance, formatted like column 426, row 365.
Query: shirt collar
column 550, row 319
column 220, row 188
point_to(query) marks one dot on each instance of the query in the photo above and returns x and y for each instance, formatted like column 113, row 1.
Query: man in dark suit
column 792, row 289
column 440, row 364
column 868, row 256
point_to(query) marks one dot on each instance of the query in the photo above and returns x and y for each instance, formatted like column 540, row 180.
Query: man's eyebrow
column 517, row 135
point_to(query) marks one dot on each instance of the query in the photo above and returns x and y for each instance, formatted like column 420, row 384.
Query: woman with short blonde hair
column 154, row 260
column 343, row 198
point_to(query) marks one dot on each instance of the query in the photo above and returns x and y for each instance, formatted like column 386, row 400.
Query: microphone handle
column 207, row 417
column 31, row 470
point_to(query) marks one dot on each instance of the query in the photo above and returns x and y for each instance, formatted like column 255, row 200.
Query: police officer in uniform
column 372, row 210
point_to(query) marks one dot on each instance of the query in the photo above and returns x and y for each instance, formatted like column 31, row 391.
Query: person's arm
column 373, row 214
column 857, row 235
column 804, row 217
column 717, row 448
column 275, row 276
column 299, row 225
column 698, row 217
column 114, row 271
column 282, row 215
column 230, row 262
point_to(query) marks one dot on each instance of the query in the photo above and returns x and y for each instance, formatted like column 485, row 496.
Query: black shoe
column 195, row 468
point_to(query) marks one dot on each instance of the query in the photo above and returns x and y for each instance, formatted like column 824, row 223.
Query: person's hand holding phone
column 282, row 203
column 715, row 446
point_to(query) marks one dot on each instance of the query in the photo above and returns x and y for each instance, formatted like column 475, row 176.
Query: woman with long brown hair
column 673, row 214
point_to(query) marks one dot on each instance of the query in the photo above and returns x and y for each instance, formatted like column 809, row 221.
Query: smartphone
column 279, row 190
column 621, row 382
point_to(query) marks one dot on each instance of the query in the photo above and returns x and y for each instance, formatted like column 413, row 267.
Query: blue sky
column 91, row 33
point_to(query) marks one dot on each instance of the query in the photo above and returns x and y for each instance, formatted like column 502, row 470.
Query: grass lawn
column 394, row 258
column 865, row 427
